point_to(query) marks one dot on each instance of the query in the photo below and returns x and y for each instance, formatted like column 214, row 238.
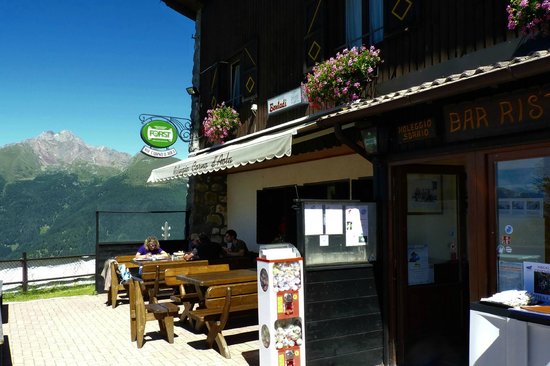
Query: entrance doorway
column 431, row 307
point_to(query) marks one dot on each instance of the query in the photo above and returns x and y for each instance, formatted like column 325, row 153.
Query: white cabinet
column 508, row 337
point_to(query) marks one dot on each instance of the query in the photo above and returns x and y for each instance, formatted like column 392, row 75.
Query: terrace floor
column 83, row 330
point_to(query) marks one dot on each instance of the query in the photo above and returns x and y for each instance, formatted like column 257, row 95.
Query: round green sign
column 159, row 134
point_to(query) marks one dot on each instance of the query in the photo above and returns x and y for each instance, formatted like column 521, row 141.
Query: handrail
column 24, row 265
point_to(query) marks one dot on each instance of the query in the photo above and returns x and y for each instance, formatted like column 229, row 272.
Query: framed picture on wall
column 424, row 194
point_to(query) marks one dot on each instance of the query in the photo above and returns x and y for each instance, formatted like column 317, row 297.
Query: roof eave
column 187, row 8
column 512, row 72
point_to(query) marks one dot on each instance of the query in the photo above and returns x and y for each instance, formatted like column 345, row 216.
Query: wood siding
column 278, row 26
column 445, row 30
column 435, row 31
column 343, row 319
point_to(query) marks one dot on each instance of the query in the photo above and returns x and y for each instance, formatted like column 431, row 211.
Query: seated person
column 151, row 247
column 234, row 247
column 205, row 250
column 193, row 242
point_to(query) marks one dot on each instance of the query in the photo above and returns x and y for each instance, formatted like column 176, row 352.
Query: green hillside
column 18, row 162
column 54, row 213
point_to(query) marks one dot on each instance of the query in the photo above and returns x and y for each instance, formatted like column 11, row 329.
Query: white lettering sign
column 158, row 153
column 155, row 133
column 290, row 99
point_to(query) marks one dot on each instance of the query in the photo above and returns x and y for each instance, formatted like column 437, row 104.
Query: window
column 523, row 225
column 235, row 84
column 357, row 22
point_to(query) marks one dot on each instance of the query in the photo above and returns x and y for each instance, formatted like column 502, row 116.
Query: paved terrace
column 83, row 330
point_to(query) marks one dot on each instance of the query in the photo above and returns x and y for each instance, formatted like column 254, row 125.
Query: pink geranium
column 531, row 17
column 342, row 78
column 219, row 123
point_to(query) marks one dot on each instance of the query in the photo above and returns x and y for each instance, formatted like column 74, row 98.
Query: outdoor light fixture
column 192, row 90
column 370, row 141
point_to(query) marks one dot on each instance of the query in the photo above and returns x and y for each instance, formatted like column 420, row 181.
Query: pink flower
column 220, row 122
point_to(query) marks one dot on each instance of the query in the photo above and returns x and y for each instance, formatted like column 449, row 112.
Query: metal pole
column 25, row 272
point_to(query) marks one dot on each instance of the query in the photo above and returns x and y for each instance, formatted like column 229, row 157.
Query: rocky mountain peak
column 65, row 148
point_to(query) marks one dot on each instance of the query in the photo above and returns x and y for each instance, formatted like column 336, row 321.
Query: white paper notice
column 334, row 215
column 419, row 269
column 323, row 240
column 313, row 220
column 354, row 228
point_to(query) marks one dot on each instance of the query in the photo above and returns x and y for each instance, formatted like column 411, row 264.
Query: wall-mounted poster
column 536, row 280
column 424, row 194
column 418, row 265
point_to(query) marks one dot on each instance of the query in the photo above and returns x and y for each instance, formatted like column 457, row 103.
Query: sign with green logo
column 159, row 134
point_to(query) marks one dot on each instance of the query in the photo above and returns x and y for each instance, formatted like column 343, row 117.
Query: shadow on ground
column 252, row 357
column 5, row 313
column 5, row 353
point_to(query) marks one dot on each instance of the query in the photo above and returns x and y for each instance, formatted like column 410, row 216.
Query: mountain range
column 52, row 186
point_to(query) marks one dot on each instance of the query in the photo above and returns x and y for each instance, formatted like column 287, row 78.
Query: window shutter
column 400, row 15
column 216, row 81
column 249, row 70
column 315, row 32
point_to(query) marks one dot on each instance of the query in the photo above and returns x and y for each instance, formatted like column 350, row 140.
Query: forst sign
column 159, row 135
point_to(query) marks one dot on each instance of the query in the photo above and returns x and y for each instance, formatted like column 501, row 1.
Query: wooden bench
column 220, row 302
column 140, row 313
column 152, row 275
column 188, row 297
column 116, row 286
column 1, row 322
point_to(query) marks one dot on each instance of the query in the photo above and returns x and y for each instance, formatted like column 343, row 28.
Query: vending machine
column 281, row 306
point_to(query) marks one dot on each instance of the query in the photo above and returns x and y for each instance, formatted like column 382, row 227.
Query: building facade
column 450, row 142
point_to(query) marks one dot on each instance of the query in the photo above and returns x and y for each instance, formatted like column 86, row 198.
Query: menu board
column 339, row 232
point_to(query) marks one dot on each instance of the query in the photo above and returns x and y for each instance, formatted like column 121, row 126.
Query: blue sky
column 92, row 67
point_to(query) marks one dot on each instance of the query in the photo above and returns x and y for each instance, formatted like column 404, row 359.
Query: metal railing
column 45, row 270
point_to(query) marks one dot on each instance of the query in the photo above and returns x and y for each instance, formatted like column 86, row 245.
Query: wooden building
column 459, row 110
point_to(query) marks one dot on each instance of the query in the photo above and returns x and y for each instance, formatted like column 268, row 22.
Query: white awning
column 265, row 147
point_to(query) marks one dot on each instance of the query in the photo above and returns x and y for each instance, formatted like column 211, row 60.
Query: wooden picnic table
column 202, row 281
column 152, row 272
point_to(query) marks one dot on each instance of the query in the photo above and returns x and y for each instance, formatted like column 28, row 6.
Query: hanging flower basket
column 531, row 17
column 342, row 79
column 220, row 123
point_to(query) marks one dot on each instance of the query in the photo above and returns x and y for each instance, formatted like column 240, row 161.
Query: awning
column 264, row 147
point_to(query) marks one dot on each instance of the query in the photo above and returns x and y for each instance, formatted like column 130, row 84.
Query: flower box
column 220, row 123
column 343, row 78
column 531, row 17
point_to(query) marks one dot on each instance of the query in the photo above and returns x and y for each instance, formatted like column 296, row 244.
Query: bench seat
column 221, row 301
column 186, row 296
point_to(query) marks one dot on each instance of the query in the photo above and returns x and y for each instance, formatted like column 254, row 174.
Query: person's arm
column 163, row 253
column 238, row 253
column 141, row 253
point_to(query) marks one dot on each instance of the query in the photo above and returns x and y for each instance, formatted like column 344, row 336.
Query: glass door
column 432, row 275
column 522, row 190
